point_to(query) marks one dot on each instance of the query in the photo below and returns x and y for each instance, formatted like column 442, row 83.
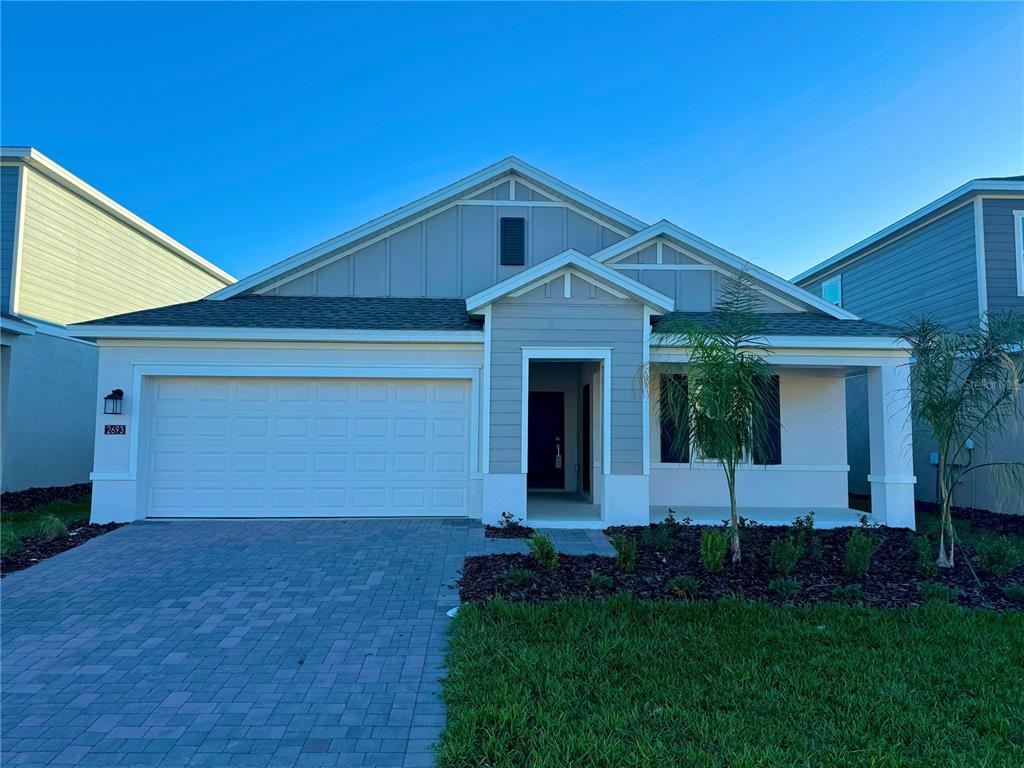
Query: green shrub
column 9, row 541
column 998, row 556
column 714, row 545
column 1014, row 592
column 508, row 520
column 851, row 594
column 926, row 564
column 601, row 580
column 672, row 524
column 659, row 538
column 932, row 591
column 543, row 550
column 785, row 551
column 517, row 578
column 803, row 534
column 625, row 550
column 860, row 548
column 51, row 527
column 683, row 586
column 786, row 589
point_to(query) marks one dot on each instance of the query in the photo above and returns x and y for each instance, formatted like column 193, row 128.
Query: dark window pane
column 513, row 242
column 673, row 398
column 768, row 441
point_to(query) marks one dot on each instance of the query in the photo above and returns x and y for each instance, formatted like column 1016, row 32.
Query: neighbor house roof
column 294, row 312
column 943, row 205
column 775, row 324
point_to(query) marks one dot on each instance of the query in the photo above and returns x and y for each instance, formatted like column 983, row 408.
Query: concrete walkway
column 250, row 643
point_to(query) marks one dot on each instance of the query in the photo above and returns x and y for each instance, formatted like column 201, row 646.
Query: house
column 69, row 253
column 959, row 259
column 477, row 352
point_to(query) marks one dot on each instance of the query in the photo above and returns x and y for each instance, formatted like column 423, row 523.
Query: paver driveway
column 276, row 642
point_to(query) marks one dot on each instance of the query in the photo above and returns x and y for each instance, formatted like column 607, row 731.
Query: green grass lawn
column 626, row 683
column 17, row 525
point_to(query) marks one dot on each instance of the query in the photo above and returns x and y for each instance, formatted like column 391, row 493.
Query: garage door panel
column 269, row 447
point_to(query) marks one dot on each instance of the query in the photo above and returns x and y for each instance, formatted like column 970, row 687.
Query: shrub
column 785, row 551
column 933, row 591
column 786, row 589
column 543, row 551
column 51, row 527
column 926, row 564
column 508, row 520
column 517, row 578
column 998, row 556
column 625, row 550
column 658, row 538
column 1014, row 593
column 860, row 548
column 851, row 594
column 673, row 525
column 714, row 545
column 9, row 541
column 683, row 586
column 601, row 580
column 803, row 534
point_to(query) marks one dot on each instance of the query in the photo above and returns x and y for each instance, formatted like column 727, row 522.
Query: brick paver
column 248, row 643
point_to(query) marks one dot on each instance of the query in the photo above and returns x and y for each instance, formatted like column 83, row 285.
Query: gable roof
column 948, row 201
column 448, row 194
column 574, row 261
column 36, row 160
column 689, row 241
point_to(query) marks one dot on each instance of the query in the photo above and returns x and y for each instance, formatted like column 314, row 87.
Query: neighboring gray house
column 960, row 258
column 474, row 352
column 69, row 253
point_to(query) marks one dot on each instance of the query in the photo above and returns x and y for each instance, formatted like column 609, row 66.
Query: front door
column 546, row 441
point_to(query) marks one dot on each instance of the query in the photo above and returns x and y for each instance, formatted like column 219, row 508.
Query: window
column 673, row 399
column 1018, row 240
column 768, row 441
column 513, row 242
column 832, row 290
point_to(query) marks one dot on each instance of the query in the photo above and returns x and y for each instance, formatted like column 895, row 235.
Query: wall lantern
column 113, row 403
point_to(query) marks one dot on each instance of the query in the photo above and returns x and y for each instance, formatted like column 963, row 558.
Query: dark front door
column 587, row 461
column 545, row 462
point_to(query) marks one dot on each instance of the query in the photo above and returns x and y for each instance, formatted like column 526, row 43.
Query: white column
column 892, row 456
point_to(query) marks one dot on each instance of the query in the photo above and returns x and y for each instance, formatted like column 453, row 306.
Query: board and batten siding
column 8, row 234
column 78, row 262
column 932, row 270
column 1001, row 254
column 543, row 317
column 451, row 254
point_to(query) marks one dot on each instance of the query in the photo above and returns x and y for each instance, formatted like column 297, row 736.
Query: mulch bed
column 999, row 522
column 514, row 531
column 892, row 580
column 16, row 501
column 36, row 548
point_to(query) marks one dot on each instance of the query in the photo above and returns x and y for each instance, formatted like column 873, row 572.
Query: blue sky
column 782, row 132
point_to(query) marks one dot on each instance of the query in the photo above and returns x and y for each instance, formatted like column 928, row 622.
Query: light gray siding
column 453, row 253
column 932, row 270
column 8, row 220
column 544, row 317
column 1000, row 254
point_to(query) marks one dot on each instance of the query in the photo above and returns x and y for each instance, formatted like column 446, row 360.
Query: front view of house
column 475, row 352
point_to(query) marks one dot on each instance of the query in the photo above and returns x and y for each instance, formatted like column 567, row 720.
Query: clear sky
column 781, row 132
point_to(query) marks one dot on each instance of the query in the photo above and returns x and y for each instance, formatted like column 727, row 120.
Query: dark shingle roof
column 340, row 312
column 785, row 324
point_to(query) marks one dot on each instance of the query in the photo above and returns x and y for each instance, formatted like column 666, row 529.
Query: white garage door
column 218, row 447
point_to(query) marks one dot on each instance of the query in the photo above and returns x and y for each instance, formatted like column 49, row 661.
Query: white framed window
column 832, row 290
column 1018, row 244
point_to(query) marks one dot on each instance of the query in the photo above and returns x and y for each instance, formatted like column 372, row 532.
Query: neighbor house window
column 768, row 441
column 673, row 399
column 1018, row 240
column 513, row 242
column 832, row 290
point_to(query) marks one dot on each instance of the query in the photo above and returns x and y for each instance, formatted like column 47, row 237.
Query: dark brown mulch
column 514, row 531
column 892, row 580
column 36, row 548
column 1000, row 522
column 16, row 501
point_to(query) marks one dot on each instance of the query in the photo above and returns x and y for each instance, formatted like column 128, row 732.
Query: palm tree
column 719, row 405
column 965, row 385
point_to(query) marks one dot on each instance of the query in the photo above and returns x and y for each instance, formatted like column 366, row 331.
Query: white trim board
column 31, row 157
column 979, row 253
column 19, row 242
column 586, row 354
column 1018, row 248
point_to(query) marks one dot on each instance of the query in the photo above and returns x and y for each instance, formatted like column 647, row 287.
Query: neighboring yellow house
column 69, row 253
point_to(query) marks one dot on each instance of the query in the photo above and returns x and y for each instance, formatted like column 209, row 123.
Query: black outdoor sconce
column 114, row 402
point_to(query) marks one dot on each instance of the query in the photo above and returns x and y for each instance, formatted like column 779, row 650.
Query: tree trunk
column 945, row 559
column 734, row 543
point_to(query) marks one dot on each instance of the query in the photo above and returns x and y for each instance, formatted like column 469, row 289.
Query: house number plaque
column 114, row 429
